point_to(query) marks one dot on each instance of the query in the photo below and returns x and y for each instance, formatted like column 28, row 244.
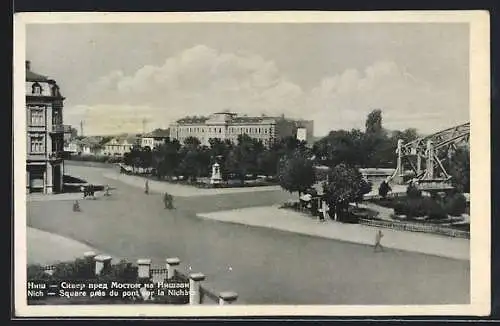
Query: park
column 240, row 238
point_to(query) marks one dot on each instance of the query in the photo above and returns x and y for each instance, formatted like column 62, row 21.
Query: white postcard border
column 480, row 161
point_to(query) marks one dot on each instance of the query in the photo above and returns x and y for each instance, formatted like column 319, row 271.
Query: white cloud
column 201, row 80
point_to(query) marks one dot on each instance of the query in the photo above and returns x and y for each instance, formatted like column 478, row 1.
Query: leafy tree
column 373, row 124
column 345, row 185
column 166, row 158
column 459, row 169
column 340, row 146
column 192, row 142
column 189, row 165
column 242, row 159
column 296, row 173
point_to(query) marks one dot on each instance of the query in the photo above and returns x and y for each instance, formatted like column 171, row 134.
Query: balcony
column 56, row 156
column 60, row 128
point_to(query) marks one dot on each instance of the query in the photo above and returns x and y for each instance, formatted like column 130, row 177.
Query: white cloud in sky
column 202, row 80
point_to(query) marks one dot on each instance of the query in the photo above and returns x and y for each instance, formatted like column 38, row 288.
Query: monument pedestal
column 216, row 177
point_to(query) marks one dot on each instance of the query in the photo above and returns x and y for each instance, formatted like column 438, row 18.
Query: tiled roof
column 32, row 76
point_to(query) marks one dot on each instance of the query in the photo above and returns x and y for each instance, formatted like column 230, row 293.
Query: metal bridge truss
column 431, row 150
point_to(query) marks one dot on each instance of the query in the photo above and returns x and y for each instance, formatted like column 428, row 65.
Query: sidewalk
column 287, row 220
column 181, row 190
column 62, row 196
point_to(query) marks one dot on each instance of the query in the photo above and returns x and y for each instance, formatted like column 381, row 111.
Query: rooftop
column 33, row 76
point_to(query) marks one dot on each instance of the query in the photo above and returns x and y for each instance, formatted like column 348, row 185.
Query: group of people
column 88, row 191
column 168, row 199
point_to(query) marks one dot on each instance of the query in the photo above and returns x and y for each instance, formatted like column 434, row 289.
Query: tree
column 340, row 146
column 373, row 124
column 242, row 159
column 189, row 164
column 459, row 169
column 296, row 173
column 166, row 158
column 345, row 185
column 192, row 142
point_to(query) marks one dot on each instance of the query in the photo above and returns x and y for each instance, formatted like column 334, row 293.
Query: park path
column 264, row 266
column 287, row 220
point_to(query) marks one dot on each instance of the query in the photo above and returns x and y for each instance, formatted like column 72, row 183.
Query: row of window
column 36, row 117
column 36, row 89
column 37, row 145
column 238, row 130
column 118, row 147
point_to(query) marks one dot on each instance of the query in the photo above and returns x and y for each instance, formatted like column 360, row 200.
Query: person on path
column 106, row 191
column 76, row 206
column 378, row 238
column 168, row 200
column 146, row 187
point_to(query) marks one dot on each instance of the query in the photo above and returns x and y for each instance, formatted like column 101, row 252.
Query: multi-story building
column 226, row 125
column 45, row 134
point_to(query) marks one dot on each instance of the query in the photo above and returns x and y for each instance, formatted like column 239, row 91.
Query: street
column 263, row 266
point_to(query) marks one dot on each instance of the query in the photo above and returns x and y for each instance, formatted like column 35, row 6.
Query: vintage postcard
column 252, row 164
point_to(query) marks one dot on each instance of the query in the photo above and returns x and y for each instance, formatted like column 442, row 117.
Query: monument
column 216, row 177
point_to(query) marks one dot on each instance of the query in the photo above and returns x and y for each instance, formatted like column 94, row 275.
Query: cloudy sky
column 114, row 75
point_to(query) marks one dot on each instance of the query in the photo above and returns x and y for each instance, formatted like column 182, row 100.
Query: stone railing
column 434, row 229
column 198, row 294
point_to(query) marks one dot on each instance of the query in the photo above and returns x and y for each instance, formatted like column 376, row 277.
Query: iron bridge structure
column 422, row 159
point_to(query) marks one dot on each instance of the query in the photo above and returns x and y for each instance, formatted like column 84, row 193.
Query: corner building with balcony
column 45, row 134
column 228, row 126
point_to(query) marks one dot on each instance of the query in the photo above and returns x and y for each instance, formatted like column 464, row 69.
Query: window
column 37, row 144
column 37, row 117
column 55, row 90
column 36, row 89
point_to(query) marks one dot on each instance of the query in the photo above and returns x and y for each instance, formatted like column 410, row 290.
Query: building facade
column 226, row 125
column 155, row 138
column 45, row 134
column 118, row 146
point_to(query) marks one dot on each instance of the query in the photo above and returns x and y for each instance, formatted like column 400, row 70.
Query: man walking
column 76, row 206
column 146, row 187
column 378, row 237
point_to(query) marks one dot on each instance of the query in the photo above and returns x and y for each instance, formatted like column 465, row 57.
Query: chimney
column 28, row 65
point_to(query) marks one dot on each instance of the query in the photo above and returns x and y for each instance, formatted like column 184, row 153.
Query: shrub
column 37, row 272
column 435, row 211
column 456, row 205
column 121, row 272
column 80, row 269
column 383, row 189
column 413, row 192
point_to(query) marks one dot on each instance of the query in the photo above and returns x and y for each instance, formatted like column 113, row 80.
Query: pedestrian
column 106, row 191
column 168, row 201
column 76, row 206
column 378, row 238
column 146, row 187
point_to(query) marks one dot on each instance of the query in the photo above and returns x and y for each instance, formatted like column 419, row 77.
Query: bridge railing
column 435, row 229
